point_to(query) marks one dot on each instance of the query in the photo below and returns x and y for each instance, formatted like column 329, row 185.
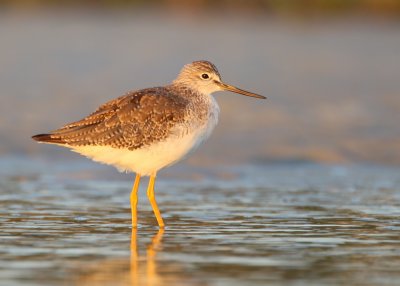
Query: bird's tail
column 47, row 138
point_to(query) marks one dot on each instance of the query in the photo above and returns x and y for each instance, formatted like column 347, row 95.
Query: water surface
column 287, row 224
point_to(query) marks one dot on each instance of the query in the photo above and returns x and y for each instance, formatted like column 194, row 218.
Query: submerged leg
column 134, row 200
column 152, row 199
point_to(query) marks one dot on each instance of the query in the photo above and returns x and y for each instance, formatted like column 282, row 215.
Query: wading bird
column 146, row 130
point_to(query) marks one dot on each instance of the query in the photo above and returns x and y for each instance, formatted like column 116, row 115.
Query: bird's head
column 204, row 77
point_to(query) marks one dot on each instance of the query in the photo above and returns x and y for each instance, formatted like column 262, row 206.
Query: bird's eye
column 205, row 76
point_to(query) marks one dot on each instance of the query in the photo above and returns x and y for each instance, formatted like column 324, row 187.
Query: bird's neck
column 187, row 91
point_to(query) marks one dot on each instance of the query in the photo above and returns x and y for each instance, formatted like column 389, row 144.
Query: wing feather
column 131, row 121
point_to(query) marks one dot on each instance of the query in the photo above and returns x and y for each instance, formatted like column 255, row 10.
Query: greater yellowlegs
column 146, row 130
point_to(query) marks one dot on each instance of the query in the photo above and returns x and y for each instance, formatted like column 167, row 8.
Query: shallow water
column 272, row 219
column 286, row 224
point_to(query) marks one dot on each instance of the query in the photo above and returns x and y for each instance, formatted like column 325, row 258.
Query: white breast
column 149, row 160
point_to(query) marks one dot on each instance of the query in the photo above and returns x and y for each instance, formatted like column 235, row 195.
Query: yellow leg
column 152, row 199
column 134, row 200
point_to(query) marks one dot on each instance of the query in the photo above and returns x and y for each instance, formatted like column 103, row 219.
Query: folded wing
column 131, row 121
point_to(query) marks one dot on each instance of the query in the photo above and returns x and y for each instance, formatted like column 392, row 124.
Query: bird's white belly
column 148, row 160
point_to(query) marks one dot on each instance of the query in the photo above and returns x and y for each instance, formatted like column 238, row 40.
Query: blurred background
column 330, row 70
column 299, row 189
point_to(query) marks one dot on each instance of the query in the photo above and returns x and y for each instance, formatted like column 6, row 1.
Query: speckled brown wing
column 131, row 121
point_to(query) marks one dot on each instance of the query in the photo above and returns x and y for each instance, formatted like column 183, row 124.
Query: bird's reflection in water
column 140, row 269
column 149, row 275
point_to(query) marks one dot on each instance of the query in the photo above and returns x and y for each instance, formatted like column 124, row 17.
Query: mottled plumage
column 149, row 129
column 132, row 121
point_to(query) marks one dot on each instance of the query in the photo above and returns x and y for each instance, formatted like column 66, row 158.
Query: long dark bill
column 234, row 89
